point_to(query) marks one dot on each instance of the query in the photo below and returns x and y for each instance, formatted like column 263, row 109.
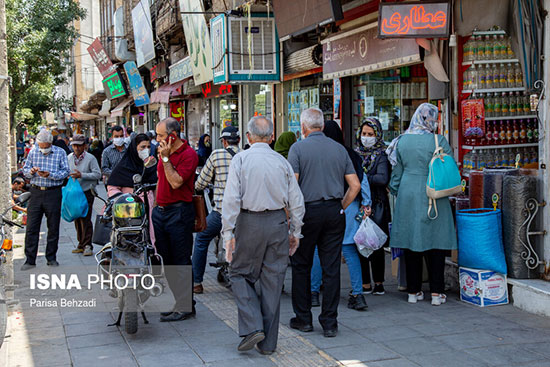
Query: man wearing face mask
column 85, row 168
column 113, row 153
column 47, row 167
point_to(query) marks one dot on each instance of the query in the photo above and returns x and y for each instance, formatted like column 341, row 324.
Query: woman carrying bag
column 412, row 229
column 371, row 149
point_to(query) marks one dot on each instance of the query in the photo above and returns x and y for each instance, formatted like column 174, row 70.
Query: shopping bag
column 369, row 237
column 74, row 204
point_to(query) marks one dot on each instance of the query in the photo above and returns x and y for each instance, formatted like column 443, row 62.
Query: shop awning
column 81, row 116
column 117, row 111
column 162, row 95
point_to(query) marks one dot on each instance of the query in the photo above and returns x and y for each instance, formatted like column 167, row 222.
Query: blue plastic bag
column 74, row 204
column 480, row 239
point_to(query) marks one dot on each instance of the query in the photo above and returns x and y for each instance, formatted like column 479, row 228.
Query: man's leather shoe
column 263, row 352
column 53, row 263
column 330, row 333
column 295, row 324
column 315, row 299
column 198, row 289
column 357, row 302
column 168, row 313
column 27, row 266
column 250, row 341
column 177, row 316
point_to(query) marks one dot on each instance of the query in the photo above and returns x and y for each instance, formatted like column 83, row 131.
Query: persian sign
column 113, row 86
column 181, row 70
column 414, row 19
column 102, row 61
column 141, row 97
column 209, row 90
column 197, row 37
column 143, row 32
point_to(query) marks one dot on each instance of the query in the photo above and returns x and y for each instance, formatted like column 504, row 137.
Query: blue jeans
column 354, row 267
column 202, row 240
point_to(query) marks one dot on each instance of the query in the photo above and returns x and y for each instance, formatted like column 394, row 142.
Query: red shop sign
column 414, row 19
column 102, row 61
column 177, row 110
column 209, row 90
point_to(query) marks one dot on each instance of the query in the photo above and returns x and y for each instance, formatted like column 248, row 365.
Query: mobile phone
column 171, row 138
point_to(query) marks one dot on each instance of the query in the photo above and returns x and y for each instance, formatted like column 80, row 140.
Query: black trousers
column 174, row 242
column 43, row 203
column 435, row 261
column 324, row 226
column 84, row 227
column 376, row 261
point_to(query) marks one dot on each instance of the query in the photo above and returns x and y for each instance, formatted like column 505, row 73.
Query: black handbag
column 102, row 231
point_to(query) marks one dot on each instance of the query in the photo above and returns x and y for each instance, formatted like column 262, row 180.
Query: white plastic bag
column 369, row 237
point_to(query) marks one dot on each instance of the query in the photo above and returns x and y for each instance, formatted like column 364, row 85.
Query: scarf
column 203, row 150
column 77, row 160
column 284, row 142
column 370, row 154
column 131, row 164
column 424, row 121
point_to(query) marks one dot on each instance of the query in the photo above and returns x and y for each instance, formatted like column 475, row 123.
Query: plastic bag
column 74, row 204
column 369, row 237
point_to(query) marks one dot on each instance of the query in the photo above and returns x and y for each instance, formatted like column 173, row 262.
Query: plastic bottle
column 515, row 133
column 522, row 132
column 535, row 130
column 491, row 161
column 489, row 84
column 478, row 48
column 508, row 48
column 467, row 50
column 503, row 158
column 497, row 105
column 526, row 104
column 482, row 160
column 482, row 77
column 511, row 158
column 490, row 48
column 505, row 107
column 489, row 132
column 496, row 133
column 503, row 74
column 534, row 156
column 525, row 159
column 530, row 134
column 509, row 132
column 502, row 132
column 489, row 105
column 510, row 76
column 518, row 82
column 466, row 82
column 499, row 158
column 474, row 77
column 513, row 104
column 466, row 163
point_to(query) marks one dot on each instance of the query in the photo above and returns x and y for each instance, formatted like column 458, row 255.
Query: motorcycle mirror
column 23, row 197
column 137, row 178
column 150, row 162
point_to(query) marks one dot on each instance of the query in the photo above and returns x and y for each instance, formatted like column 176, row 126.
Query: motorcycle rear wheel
column 130, row 311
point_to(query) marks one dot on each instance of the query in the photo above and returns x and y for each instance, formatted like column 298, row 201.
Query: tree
column 40, row 36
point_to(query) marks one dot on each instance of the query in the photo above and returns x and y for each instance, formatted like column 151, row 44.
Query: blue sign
column 139, row 92
column 181, row 70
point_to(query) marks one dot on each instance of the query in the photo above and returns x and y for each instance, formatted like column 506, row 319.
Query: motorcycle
column 6, row 245
column 130, row 258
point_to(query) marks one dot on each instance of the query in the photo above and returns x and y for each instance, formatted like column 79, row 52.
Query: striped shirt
column 55, row 163
column 110, row 158
column 217, row 167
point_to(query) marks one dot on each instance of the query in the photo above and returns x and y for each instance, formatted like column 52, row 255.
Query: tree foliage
column 40, row 35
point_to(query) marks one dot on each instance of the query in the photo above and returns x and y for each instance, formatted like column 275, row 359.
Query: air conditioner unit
column 234, row 39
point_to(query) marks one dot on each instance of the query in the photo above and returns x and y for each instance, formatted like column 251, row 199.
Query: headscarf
column 424, row 121
column 284, row 142
column 131, row 164
column 333, row 131
column 369, row 155
column 203, row 150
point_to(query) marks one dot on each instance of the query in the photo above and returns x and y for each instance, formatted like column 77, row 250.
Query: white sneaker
column 439, row 300
column 413, row 298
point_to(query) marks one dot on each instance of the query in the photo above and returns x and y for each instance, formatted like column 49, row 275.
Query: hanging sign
column 177, row 110
column 102, row 61
column 113, row 86
column 414, row 19
column 141, row 97
column 181, row 70
column 209, row 90
column 143, row 33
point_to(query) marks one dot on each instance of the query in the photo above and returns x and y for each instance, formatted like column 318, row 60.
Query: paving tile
column 244, row 362
column 175, row 357
column 448, row 359
column 472, row 339
column 214, row 352
column 387, row 333
column 106, row 355
column 95, row 340
column 345, row 337
column 504, row 355
column 400, row 362
column 368, row 352
column 412, row 346
column 89, row 328
column 540, row 348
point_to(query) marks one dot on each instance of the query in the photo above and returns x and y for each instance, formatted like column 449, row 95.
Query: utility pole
column 5, row 173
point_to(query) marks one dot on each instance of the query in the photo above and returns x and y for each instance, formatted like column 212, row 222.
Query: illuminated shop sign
column 414, row 19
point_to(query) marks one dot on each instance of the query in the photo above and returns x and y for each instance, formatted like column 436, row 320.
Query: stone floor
column 391, row 333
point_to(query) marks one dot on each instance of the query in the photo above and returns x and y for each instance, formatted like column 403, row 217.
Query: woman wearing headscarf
column 374, row 161
column 285, row 141
column 96, row 150
column 412, row 230
column 357, row 210
column 205, row 149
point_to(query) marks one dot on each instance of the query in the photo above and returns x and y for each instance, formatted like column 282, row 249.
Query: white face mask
column 368, row 141
column 45, row 150
column 144, row 154
column 118, row 142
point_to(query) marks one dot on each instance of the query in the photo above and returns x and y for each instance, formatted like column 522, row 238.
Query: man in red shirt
column 174, row 215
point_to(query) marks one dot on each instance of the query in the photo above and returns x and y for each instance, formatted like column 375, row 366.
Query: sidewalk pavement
column 391, row 333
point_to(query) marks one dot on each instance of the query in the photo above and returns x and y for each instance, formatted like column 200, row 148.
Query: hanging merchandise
column 516, row 191
column 473, row 120
column 480, row 239
column 492, row 184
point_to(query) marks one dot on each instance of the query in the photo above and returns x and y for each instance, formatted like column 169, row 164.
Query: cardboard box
column 483, row 287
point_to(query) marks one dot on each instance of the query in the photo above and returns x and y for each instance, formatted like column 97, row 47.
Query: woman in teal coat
column 412, row 229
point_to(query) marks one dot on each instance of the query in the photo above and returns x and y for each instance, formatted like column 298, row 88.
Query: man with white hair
column 260, row 186
column 321, row 166
column 47, row 168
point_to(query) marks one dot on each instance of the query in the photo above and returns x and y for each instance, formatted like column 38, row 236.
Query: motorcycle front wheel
column 130, row 311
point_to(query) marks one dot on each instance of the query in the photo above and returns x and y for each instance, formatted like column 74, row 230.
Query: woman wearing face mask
column 205, row 149
column 412, row 230
column 371, row 148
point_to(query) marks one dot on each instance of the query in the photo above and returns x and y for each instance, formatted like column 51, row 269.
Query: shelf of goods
column 493, row 90
column 503, row 146
column 481, row 62
column 498, row 118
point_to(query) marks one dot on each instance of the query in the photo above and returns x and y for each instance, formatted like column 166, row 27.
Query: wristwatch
column 165, row 159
